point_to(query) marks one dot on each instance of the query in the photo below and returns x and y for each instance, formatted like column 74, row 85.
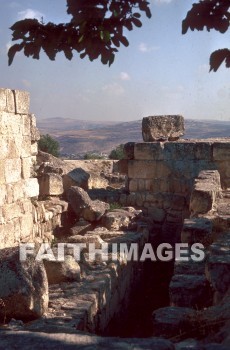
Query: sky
column 161, row 72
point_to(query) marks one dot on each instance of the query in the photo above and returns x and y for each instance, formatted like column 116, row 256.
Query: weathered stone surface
column 218, row 264
column 149, row 151
column 2, row 99
column 115, row 221
column 12, row 170
column 23, row 286
column 88, row 238
column 22, row 101
column 78, row 199
column 42, row 340
column 76, row 177
column 129, row 150
column 81, row 227
column 189, row 267
column 83, row 206
column 95, row 211
column 31, row 187
column 156, row 214
column 121, row 218
column 197, row 230
column 207, row 189
column 221, row 151
column 50, row 184
column 62, row 271
column 7, row 101
column 122, row 166
column 43, row 157
column 171, row 321
column 147, row 169
column 162, row 128
column 26, row 167
column 190, row 291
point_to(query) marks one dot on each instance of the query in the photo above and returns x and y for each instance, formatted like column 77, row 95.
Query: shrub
column 49, row 145
column 117, row 153
column 90, row 155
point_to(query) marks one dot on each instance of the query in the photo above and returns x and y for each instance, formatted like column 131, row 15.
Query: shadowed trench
column 151, row 293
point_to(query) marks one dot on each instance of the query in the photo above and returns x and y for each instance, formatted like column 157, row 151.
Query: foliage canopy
column 212, row 14
column 96, row 29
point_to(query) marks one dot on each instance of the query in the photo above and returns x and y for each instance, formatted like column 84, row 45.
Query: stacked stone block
column 18, row 149
column 162, row 174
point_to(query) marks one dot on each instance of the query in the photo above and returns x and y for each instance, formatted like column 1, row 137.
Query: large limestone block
column 23, row 286
column 76, row 177
column 12, row 170
column 12, row 211
column 22, row 101
column 206, row 190
column 122, row 166
column 31, row 187
column 116, row 220
column 190, row 291
column 80, row 228
column 10, row 146
column 221, row 151
column 187, row 150
column 147, row 169
column 26, row 167
column 197, row 230
column 95, row 211
column 26, row 227
column 149, row 151
column 62, row 271
column 50, row 184
column 2, row 172
column 86, row 239
column 7, row 100
column 129, row 150
column 218, row 264
column 162, row 128
column 3, row 194
column 2, row 99
column 84, row 207
column 26, row 146
column 78, row 199
column 171, row 321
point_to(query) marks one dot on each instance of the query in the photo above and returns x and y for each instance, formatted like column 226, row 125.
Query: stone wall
column 18, row 149
column 161, row 174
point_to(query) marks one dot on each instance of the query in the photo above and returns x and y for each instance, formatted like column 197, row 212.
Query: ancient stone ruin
column 166, row 190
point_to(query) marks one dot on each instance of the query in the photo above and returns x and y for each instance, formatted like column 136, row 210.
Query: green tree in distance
column 96, row 29
column 90, row 155
column 49, row 145
column 117, row 153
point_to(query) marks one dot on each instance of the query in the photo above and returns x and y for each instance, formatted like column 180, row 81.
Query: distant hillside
column 78, row 136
